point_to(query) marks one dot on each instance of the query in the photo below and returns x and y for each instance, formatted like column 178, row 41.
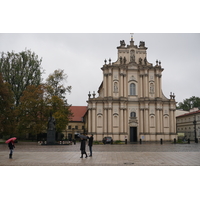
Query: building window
column 69, row 127
column 99, row 121
column 83, row 127
column 133, row 114
column 152, row 121
column 166, row 121
column 132, row 89
column 76, row 127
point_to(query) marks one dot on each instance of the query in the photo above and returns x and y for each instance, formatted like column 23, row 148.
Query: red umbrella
column 11, row 139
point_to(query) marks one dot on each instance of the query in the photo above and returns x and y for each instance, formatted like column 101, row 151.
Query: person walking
column 90, row 143
column 82, row 148
column 11, row 146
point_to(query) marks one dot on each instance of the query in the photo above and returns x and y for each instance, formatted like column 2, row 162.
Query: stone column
column 160, row 89
column 89, row 121
column 110, row 87
column 125, row 86
column 171, row 121
column 157, row 120
column 141, row 121
column 125, row 121
column 105, row 123
column 94, row 118
column 121, row 120
column 161, row 122
column 157, row 86
column 141, row 86
column 121, row 85
column 105, row 85
column 109, row 120
column 146, row 85
column 146, row 124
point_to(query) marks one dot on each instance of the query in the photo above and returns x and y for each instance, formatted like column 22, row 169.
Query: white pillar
column 121, row 120
column 105, row 123
column 125, row 86
column 141, row 86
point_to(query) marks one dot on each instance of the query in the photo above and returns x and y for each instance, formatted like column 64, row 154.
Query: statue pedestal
column 51, row 134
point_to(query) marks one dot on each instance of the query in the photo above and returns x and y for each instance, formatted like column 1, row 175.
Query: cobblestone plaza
column 146, row 154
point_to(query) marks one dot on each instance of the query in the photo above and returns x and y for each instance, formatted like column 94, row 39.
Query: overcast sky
column 82, row 56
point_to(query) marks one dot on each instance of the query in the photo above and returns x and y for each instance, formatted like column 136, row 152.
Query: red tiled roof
column 78, row 112
column 191, row 113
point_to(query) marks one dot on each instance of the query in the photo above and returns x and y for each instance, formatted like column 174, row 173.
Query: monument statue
column 51, row 123
column 51, row 129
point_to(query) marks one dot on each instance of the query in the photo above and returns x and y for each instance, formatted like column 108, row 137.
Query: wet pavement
column 146, row 154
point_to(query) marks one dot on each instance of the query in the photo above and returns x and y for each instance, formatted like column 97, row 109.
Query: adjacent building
column 130, row 103
column 77, row 123
column 188, row 124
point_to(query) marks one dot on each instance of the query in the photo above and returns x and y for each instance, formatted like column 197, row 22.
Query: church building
column 130, row 103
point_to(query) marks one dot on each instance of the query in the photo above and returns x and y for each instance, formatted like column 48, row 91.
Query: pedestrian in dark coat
column 11, row 146
column 90, row 143
column 82, row 148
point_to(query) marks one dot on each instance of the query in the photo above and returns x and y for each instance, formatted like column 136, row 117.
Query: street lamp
column 195, row 132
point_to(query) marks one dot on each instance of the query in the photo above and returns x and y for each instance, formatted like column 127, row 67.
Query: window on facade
column 99, row 121
column 115, row 121
column 76, row 127
column 166, row 121
column 133, row 114
column 152, row 121
column 132, row 89
column 83, row 127
column 69, row 127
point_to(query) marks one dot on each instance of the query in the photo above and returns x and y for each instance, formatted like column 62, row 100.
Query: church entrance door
column 133, row 134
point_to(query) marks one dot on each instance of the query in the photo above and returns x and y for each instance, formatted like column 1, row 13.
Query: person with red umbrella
column 11, row 145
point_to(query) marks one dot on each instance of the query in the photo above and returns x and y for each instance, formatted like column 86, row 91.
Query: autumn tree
column 20, row 70
column 190, row 103
column 33, row 112
column 7, row 109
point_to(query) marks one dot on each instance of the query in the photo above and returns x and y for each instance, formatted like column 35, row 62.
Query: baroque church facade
column 130, row 103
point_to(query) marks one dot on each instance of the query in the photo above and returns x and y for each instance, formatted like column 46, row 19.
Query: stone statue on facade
column 145, row 61
column 140, row 61
column 122, row 43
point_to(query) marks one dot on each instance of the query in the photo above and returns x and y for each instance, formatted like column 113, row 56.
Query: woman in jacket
column 11, row 146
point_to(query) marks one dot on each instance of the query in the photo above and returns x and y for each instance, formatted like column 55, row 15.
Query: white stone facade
column 131, row 104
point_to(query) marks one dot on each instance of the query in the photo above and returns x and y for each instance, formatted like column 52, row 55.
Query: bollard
column 125, row 141
column 161, row 141
column 74, row 141
column 174, row 140
column 196, row 140
column 140, row 141
column 188, row 141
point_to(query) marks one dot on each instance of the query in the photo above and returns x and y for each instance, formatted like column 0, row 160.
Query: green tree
column 20, row 70
column 190, row 103
column 7, row 109
column 56, row 93
column 55, row 84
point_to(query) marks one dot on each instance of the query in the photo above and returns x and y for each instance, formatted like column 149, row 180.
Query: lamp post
column 195, row 132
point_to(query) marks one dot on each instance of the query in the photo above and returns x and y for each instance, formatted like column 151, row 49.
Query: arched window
column 133, row 114
column 132, row 89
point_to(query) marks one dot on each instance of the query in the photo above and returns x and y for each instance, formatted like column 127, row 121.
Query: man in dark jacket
column 90, row 144
column 82, row 148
